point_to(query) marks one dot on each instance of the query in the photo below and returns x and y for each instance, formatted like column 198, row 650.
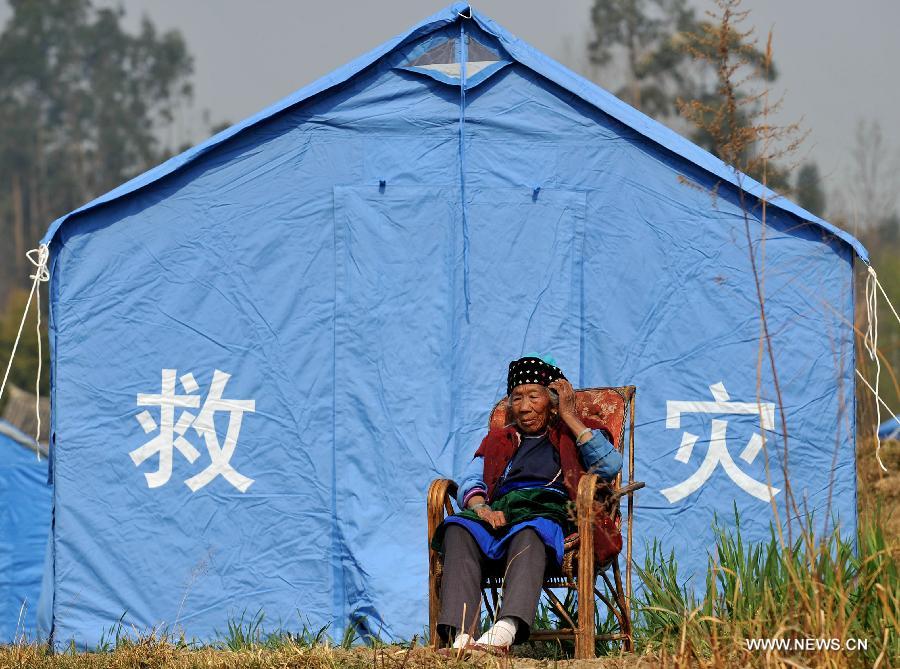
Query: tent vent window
column 441, row 61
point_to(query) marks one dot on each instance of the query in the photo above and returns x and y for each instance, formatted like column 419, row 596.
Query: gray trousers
column 464, row 563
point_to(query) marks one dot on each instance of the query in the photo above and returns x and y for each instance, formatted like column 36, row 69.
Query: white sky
column 838, row 61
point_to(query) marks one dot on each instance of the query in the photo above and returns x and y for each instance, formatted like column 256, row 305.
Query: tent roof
column 522, row 53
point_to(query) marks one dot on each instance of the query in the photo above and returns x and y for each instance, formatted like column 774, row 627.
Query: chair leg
column 623, row 606
column 489, row 609
column 612, row 607
column 584, row 634
column 438, row 505
column 434, row 601
column 560, row 608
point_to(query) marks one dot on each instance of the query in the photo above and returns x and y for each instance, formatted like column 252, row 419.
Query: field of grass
column 816, row 590
column 813, row 589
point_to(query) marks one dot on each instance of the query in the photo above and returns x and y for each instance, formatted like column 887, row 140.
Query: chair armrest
column 632, row 487
column 439, row 505
column 584, row 506
column 442, row 488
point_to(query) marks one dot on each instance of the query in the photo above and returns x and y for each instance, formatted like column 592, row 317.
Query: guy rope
column 38, row 257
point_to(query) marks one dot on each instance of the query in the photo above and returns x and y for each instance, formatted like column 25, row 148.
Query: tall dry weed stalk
column 819, row 586
column 738, row 123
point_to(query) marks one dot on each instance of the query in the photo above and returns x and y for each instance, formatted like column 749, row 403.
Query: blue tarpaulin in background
column 889, row 429
column 267, row 347
column 25, row 501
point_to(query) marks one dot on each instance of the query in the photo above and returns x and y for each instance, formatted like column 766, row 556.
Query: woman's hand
column 494, row 518
column 566, row 397
column 567, row 411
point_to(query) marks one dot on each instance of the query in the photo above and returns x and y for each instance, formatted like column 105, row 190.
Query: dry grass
column 792, row 595
column 154, row 654
column 877, row 488
column 151, row 653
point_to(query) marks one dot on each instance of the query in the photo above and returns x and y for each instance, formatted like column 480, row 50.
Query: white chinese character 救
column 171, row 435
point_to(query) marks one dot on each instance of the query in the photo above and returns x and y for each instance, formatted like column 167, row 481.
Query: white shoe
column 501, row 634
column 462, row 640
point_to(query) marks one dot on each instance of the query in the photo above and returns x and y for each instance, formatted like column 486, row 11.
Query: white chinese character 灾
column 718, row 454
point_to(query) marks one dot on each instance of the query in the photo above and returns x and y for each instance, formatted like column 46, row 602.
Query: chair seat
column 569, row 567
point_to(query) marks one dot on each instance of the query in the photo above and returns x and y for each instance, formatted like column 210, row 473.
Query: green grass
column 249, row 633
column 810, row 589
column 814, row 588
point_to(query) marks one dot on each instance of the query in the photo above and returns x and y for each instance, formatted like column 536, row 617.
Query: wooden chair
column 614, row 409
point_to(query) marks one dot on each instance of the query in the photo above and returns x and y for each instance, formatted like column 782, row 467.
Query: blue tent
column 889, row 429
column 265, row 348
column 25, row 501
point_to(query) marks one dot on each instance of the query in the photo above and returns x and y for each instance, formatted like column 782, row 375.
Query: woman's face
column 531, row 407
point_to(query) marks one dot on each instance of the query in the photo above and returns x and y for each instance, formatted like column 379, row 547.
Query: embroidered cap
column 532, row 369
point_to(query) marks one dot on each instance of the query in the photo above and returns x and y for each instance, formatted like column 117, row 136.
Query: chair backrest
column 609, row 406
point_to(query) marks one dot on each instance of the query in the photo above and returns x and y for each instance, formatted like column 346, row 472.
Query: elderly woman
column 514, row 496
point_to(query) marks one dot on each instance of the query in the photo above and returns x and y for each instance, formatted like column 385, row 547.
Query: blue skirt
column 495, row 548
column 540, row 508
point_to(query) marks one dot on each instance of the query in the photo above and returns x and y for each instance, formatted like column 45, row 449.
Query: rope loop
column 39, row 258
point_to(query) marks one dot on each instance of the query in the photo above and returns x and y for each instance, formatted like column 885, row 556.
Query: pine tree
column 808, row 189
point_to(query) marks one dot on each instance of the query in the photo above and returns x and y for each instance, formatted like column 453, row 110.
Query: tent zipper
column 463, row 58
